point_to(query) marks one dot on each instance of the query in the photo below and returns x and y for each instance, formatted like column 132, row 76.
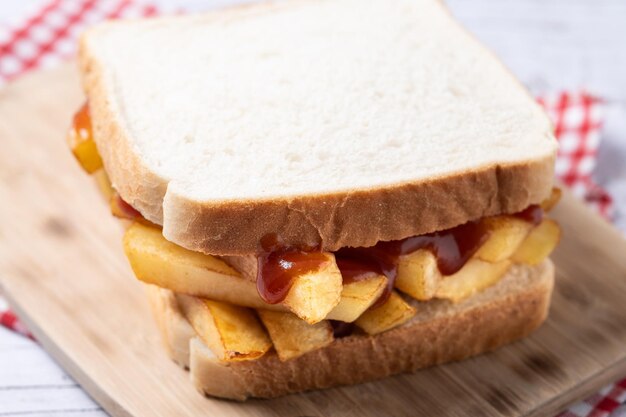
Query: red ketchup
column 279, row 265
column 81, row 124
column 123, row 209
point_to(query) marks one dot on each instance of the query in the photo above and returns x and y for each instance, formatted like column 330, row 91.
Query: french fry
column 538, row 245
column 293, row 337
column 87, row 155
column 357, row 297
column 313, row 295
column 232, row 333
column 506, row 234
column 81, row 142
column 418, row 274
column 549, row 203
column 475, row 276
column 392, row 313
column 157, row 261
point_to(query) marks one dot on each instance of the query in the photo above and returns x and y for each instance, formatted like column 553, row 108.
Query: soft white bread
column 333, row 123
column 440, row 332
column 176, row 332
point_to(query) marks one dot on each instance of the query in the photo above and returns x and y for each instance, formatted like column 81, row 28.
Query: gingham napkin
column 49, row 36
column 577, row 118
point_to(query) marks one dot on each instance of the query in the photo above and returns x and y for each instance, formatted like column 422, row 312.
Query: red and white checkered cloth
column 609, row 401
column 49, row 36
column 577, row 118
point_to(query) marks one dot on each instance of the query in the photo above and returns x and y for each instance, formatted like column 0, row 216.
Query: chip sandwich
column 320, row 192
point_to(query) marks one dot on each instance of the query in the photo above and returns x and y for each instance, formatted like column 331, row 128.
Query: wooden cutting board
column 62, row 268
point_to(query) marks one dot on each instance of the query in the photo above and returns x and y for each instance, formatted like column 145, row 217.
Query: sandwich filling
column 451, row 248
column 295, row 299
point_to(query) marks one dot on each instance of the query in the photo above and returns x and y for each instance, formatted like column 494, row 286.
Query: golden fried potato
column 392, row 313
column 357, row 297
column 418, row 275
column 475, row 276
column 506, row 234
column 292, row 336
column 233, row 333
column 539, row 243
column 313, row 295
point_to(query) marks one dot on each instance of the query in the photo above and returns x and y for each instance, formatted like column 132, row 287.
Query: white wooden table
column 560, row 44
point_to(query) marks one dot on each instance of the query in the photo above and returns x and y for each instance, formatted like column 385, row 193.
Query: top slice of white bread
column 330, row 122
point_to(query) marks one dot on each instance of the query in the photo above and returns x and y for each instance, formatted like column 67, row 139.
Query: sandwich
column 320, row 192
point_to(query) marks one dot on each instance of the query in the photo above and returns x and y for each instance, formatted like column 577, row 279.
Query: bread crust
column 352, row 217
column 441, row 332
column 176, row 332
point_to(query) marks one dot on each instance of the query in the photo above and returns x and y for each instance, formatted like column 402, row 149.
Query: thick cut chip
column 86, row 153
column 506, row 234
column 392, row 313
column 357, row 297
column 540, row 242
column 157, row 261
column 233, row 333
column 475, row 276
column 418, row 275
column 292, row 336
column 313, row 295
column 80, row 140
column 549, row 203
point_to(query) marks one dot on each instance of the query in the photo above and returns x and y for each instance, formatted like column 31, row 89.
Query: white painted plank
column 61, row 413
column 23, row 363
column 58, row 399
column 560, row 44
column 11, row 340
column 31, row 382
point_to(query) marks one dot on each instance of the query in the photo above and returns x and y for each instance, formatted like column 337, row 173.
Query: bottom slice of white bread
column 440, row 332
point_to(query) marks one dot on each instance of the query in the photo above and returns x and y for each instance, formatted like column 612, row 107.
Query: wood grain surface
column 62, row 268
